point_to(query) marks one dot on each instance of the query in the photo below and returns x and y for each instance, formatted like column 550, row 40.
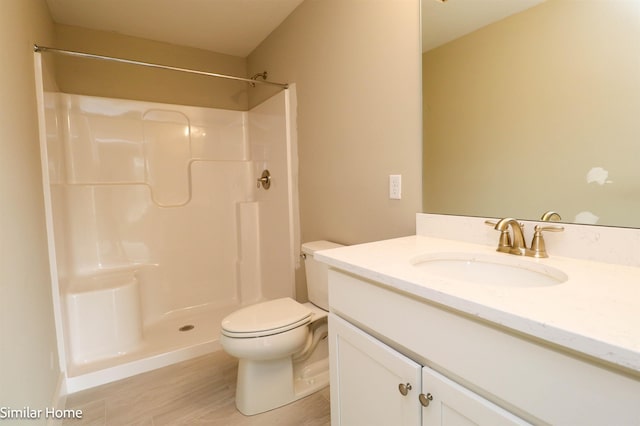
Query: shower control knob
column 404, row 388
column 265, row 180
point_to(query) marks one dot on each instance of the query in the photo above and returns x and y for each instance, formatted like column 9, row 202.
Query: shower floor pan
column 178, row 337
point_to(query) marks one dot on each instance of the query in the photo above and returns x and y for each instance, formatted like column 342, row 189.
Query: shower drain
column 187, row 327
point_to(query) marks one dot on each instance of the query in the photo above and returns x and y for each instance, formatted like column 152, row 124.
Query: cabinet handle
column 404, row 389
column 425, row 399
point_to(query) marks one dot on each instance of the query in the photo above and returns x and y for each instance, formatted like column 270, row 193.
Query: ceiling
column 236, row 27
column 448, row 20
column 233, row 27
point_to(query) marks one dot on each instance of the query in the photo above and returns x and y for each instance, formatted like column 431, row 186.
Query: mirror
column 537, row 111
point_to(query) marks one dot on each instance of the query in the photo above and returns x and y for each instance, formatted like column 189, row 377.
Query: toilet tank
column 317, row 273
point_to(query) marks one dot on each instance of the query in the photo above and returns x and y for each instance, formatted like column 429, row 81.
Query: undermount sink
column 497, row 269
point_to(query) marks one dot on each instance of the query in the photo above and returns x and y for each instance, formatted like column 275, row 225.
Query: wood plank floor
column 196, row 392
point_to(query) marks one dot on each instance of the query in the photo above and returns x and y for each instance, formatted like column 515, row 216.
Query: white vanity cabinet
column 476, row 372
column 372, row 384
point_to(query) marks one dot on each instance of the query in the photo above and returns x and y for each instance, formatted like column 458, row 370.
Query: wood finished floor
column 196, row 392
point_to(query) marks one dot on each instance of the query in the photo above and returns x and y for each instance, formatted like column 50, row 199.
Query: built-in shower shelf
column 104, row 279
column 197, row 172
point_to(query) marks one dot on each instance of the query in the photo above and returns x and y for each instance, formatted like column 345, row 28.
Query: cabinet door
column 454, row 405
column 365, row 380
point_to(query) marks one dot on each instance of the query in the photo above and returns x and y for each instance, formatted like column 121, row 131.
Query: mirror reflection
column 537, row 111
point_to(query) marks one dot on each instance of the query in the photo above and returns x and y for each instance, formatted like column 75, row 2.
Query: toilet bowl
column 281, row 344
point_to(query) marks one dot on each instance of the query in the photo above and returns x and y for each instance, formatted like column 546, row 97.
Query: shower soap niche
column 103, row 316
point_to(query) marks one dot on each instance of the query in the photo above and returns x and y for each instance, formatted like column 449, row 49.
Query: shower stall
column 159, row 226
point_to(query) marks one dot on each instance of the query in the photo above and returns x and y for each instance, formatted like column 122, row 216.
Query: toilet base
column 263, row 385
column 266, row 385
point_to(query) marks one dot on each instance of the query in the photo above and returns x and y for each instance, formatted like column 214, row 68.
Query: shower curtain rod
column 45, row 49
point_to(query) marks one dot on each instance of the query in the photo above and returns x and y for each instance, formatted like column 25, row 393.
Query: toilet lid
column 274, row 316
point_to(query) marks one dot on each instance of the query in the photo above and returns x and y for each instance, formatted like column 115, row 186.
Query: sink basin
column 500, row 270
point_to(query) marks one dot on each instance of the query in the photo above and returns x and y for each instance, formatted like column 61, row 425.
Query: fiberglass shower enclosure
column 157, row 227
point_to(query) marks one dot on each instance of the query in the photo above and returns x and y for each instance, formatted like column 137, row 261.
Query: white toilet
column 281, row 344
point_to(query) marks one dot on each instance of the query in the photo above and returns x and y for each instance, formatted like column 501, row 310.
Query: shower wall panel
column 273, row 147
column 153, row 188
column 155, row 223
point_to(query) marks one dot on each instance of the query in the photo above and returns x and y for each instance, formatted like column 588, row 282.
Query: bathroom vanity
column 412, row 345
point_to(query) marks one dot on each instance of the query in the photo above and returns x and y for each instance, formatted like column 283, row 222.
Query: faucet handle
column 504, row 244
column 538, row 246
column 552, row 228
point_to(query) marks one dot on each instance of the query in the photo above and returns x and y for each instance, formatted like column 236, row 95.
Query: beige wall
column 519, row 112
column 28, row 356
column 114, row 80
column 356, row 65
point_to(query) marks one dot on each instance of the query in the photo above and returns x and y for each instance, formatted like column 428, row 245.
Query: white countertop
column 595, row 312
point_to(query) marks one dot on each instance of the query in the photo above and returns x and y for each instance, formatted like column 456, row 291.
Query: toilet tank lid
column 314, row 246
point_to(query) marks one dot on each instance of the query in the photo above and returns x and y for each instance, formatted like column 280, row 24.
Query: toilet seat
column 267, row 318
